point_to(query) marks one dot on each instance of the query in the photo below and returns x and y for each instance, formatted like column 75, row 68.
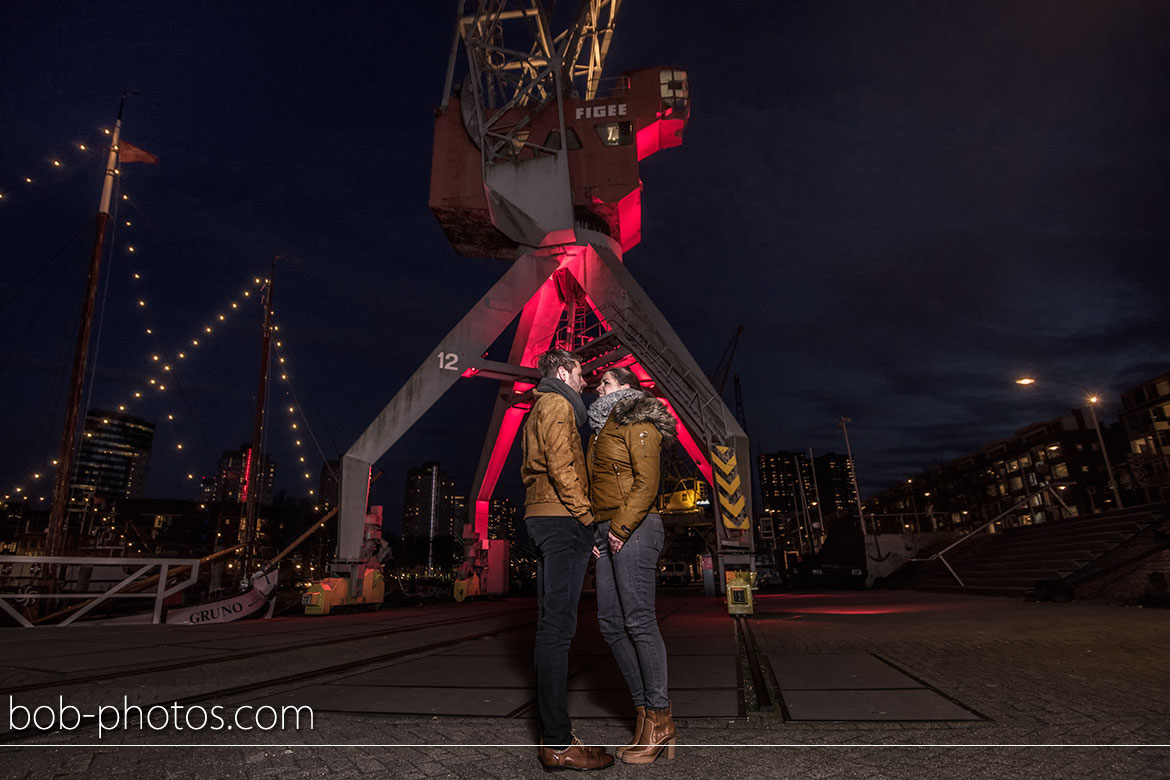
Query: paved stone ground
column 1048, row 678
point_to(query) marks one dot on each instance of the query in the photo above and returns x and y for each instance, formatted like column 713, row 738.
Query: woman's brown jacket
column 623, row 460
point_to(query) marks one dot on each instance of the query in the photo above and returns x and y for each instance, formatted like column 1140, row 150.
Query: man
column 556, row 511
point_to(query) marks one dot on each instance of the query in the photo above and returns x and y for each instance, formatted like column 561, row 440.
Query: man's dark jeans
column 565, row 546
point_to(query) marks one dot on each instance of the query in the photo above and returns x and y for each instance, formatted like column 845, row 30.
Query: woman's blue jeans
column 564, row 546
column 626, row 585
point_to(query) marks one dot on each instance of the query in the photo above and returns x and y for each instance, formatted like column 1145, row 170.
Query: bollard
column 739, row 592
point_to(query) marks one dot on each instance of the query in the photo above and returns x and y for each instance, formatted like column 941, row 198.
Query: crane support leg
column 536, row 330
column 458, row 354
column 624, row 306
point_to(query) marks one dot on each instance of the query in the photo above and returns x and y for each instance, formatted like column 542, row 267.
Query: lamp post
column 913, row 504
column 853, row 471
column 1091, row 399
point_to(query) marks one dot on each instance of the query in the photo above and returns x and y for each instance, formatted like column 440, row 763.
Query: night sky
column 906, row 204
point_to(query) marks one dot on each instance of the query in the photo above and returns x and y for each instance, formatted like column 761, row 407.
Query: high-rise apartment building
column 790, row 482
column 1045, row 471
column 1145, row 414
column 230, row 475
column 329, row 486
column 502, row 519
column 786, row 482
column 113, row 458
column 833, row 483
column 433, row 516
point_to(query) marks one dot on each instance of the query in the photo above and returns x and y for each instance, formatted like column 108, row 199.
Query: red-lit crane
column 536, row 162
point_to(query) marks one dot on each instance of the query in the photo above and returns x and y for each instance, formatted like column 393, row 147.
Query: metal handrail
column 938, row 556
column 142, row 566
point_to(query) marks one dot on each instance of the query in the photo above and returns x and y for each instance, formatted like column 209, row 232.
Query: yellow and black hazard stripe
column 728, row 488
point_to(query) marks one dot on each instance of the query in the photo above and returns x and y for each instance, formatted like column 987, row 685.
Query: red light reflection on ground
column 863, row 603
column 893, row 610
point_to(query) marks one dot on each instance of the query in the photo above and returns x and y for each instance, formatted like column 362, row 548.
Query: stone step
column 1062, row 538
column 1021, row 584
column 1062, row 570
column 1012, row 562
column 1125, row 525
column 1089, row 550
column 1070, row 560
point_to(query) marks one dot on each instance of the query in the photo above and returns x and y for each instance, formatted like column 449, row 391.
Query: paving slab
column 615, row 703
column 827, row 671
column 1041, row 674
column 495, row 671
column 873, row 705
column 246, row 642
column 404, row 700
column 113, row 659
column 701, row 671
column 701, row 645
column 12, row 654
column 511, row 643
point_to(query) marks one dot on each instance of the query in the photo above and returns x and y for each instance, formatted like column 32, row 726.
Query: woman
column 628, row 430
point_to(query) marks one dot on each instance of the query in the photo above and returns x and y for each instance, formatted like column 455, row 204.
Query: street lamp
column 857, row 487
column 914, row 507
column 1091, row 399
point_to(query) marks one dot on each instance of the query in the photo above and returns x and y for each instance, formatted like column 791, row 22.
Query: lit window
column 616, row 133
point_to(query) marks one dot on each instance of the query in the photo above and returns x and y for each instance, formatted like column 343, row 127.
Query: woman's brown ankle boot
column 657, row 733
column 637, row 740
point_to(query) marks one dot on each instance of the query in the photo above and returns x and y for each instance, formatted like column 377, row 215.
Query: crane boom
column 517, row 65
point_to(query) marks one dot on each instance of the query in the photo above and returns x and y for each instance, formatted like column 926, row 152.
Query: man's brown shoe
column 577, row 756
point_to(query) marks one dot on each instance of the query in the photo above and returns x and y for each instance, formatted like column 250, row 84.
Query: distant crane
column 719, row 375
column 740, row 412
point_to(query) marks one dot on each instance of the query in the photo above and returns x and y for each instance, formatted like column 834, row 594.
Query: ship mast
column 253, row 468
column 56, row 538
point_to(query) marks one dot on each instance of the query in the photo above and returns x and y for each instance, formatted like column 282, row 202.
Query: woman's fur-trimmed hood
column 645, row 408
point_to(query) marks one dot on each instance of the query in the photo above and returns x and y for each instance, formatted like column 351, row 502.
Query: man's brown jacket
column 553, row 464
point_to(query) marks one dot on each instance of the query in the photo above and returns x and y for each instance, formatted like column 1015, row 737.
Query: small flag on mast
column 129, row 153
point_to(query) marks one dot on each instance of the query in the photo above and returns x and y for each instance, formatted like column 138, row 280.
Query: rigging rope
column 304, row 417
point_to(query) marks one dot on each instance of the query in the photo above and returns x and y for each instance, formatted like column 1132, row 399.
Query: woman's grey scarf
column 599, row 410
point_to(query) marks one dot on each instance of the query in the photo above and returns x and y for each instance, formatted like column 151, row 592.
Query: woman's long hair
column 624, row 376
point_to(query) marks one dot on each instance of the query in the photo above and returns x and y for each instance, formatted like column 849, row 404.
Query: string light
column 296, row 414
column 76, row 152
column 156, row 358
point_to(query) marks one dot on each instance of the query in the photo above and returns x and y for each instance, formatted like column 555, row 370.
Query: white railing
column 1025, row 501
column 141, row 567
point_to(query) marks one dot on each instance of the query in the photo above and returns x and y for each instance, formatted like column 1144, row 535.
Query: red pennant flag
column 129, row 153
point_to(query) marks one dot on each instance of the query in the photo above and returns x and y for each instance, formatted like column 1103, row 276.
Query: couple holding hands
column 596, row 502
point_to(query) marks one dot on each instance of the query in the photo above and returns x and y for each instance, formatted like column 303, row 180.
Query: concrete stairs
column 1022, row 561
